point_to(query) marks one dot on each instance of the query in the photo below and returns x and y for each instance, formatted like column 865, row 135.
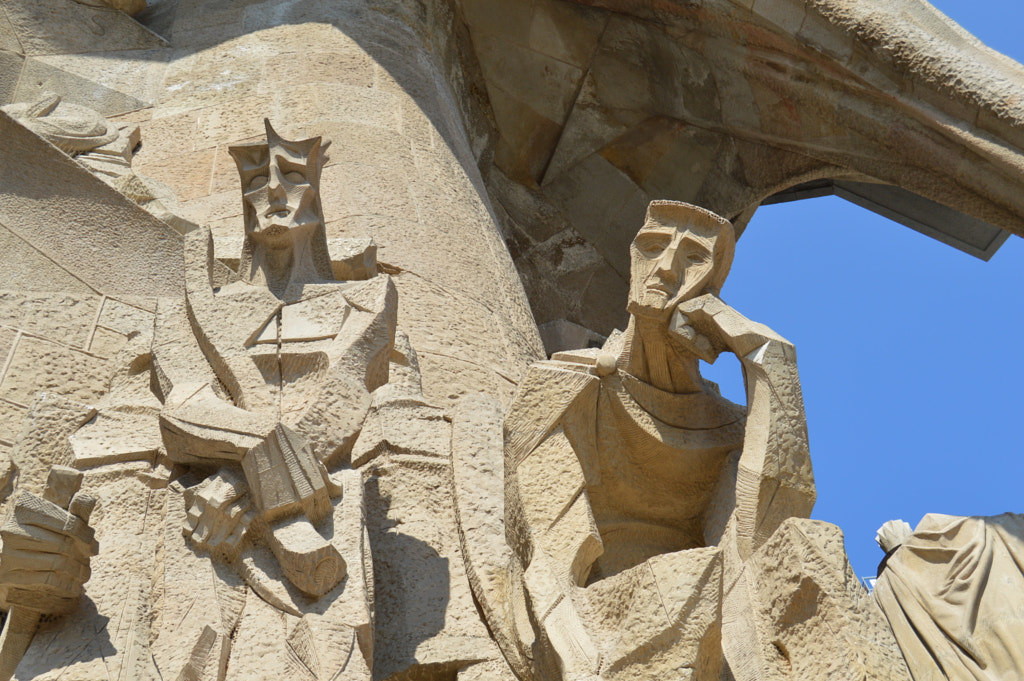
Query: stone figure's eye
column 258, row 182
column 697, row 257
column 295, row 177
column 652, row 244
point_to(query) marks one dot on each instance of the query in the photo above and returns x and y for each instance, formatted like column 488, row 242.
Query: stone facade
column 273, row 399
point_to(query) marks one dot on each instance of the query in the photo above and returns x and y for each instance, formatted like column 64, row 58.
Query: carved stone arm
column 197, row 425
column 282, row 475
column 774, row 481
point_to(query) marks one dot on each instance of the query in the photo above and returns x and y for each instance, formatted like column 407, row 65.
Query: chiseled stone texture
column 556, row 122
column 86, row 237
column 814, row 618
column 383, row 85
column 61, row 343
column 392, row 85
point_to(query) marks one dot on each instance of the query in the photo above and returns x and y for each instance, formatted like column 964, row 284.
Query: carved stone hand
column 44, row 562
column 709, row 327
column 220, row 511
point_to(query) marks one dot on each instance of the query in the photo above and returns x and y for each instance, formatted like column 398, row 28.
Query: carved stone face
column 279, row 186
column 675, row 257
column 282, row 198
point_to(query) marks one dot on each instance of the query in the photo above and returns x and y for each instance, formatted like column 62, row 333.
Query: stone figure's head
column 681, row 252
column 281, row 199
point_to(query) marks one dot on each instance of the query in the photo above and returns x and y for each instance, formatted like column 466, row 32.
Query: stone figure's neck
column 652, row 357
column 283, row 265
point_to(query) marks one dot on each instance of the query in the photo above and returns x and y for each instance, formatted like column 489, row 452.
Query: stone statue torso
column 657, row 473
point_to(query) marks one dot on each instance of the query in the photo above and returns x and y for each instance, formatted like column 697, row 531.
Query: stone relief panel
column 102, row 147
column 276, row 497
column 230, row 518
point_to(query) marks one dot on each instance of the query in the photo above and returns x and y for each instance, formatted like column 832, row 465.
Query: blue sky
column 910, row 352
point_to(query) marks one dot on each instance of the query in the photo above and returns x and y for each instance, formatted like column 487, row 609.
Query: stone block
column 106, row 342
column 64, row 318
column 788, row 15
column 813, row 617
column 26, row 269
column 209, row 78
column 238, row 121
column 207, row 208
column 10, row 71
column 43, row 442
column 353, row 67
column 567, row 32
column 188, row 175
column 11, row 419
column 124, row 317
column 43, row 366
column 62, row 27
column 546, row 85
column 555, row 480
column 336, row 102
column 9, row 37
column 87, row 227
column 509, row 21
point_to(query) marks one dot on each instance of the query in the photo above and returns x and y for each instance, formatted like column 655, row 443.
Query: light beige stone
column 64, row 26
column 113, row 247
column 638, row 501
column 39, row 364
column 951, row 591
column 47, row 544
column 271, row 521
column 813, row 618
column 463, row 133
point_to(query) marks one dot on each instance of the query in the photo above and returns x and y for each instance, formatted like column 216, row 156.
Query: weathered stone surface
column 41, row 365
column 952, row 593
column 814, row 620
column 650, row 528
column 64, row 26
column 128, row 251
column 723, row 105
column 650, row 520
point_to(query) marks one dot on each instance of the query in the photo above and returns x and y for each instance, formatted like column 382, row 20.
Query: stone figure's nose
column 668, row 269
column 277, row 194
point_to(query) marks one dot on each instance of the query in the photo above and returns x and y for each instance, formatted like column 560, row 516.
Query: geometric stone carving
column 44, row 563
column 239, row 410
column 114, row 248
column 640, row 505
column 813, row 619
column 265, row 423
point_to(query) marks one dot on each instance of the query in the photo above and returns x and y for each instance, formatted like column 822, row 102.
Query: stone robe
column 954, row 595
column 156, row 606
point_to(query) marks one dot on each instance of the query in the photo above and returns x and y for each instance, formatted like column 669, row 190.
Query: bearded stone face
column 675, row 257
column 279, row 187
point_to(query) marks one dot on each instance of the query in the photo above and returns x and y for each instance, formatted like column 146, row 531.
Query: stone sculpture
column 47, row 544
column 232, row 423
column 953, row 592
column 103, row 148
column 486, row 146
column 650, row 518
